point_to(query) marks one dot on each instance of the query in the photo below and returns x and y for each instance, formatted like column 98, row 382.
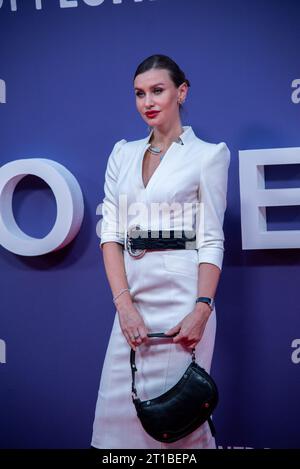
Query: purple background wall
column 68, row 73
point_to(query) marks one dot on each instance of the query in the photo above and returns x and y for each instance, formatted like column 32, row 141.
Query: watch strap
column 205, row 299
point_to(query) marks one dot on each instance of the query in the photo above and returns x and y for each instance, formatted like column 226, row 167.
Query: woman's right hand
column 132, row 324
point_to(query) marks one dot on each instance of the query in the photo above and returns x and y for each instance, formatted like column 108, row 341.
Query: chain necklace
column 156, row 150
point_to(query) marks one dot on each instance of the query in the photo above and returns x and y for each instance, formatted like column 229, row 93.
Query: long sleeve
column 110, row 229
column 213, row 202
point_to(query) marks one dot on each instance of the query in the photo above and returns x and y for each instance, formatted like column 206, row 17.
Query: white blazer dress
column 163, row 284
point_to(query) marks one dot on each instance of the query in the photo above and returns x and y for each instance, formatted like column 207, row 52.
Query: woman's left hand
column 191, row 328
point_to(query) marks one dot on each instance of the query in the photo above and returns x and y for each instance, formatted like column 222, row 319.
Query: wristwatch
column 205, row 299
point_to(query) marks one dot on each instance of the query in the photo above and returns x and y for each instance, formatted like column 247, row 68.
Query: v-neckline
column 146, row 145
column 141, row 161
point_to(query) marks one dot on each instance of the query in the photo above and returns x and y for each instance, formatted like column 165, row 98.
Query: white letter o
column 69, row 202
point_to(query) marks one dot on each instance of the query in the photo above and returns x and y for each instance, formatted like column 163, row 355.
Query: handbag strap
column 211, row 426
column 132, row 359
column 134, row 370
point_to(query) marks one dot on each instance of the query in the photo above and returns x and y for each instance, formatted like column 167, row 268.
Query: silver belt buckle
column 137, row 253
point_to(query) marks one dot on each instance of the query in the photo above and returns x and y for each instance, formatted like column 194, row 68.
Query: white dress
column 163, row 284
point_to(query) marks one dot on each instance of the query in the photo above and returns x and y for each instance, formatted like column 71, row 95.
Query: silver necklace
column 156, row 150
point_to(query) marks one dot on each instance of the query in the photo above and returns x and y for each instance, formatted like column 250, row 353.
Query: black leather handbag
column 180, row 410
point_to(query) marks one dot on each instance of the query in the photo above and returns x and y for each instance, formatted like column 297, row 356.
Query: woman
column 156, row 290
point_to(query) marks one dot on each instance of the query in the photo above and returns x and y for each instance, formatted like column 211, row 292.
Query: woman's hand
column 191, row 328
column 132, row 324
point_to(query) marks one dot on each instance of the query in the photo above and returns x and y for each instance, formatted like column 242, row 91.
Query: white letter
column 141, row 209
column 69, row 202
column 296, row 353
column 38, row 4
column 13, row 5
column 255, row 198
column 296, row 94
column 93, row 3
column 2, row 92
column 68, row 3
column 2, row 351
column 1, row 3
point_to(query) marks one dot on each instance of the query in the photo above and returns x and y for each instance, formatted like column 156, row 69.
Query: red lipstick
column 151, row 114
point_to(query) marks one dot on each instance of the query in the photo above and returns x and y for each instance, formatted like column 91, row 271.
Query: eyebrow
column 150, row 87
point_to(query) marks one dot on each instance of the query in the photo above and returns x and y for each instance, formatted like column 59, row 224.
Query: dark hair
column 159, row 61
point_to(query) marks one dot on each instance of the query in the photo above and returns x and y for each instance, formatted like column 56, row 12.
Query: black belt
column 138, row 241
